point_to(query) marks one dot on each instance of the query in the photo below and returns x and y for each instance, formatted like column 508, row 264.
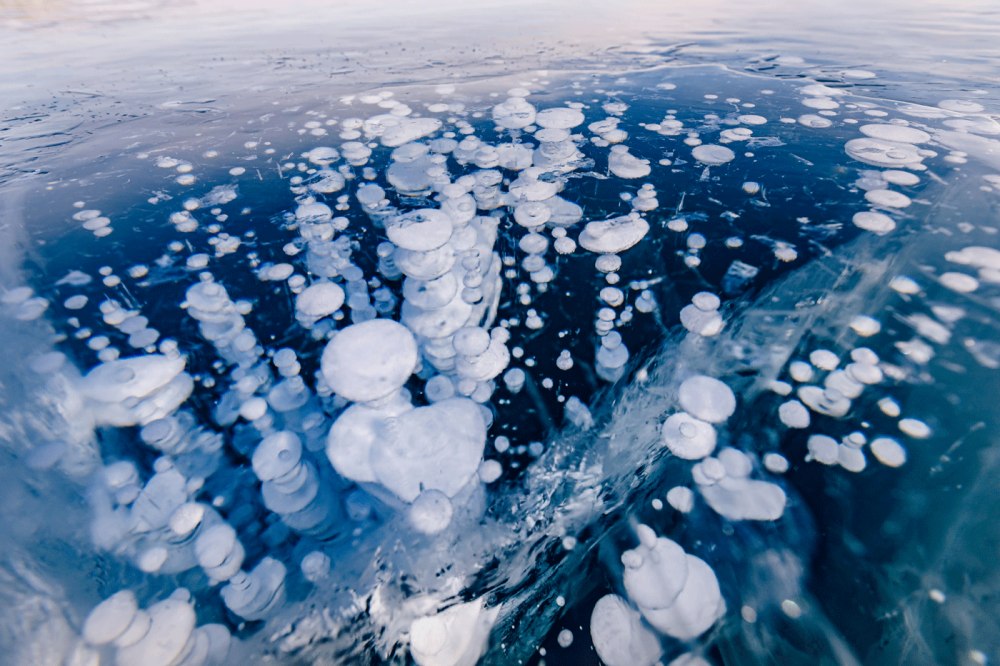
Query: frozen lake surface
column 505, row 334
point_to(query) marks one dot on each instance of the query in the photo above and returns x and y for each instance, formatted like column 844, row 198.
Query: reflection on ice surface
column 663, row 366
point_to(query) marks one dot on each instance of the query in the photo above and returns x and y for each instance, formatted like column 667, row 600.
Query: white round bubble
column 431, row 512
column 960, row 106
column 420, row 230
column 865, row 326
column 369, row 360
column 614, row 235
column 794, row 414
column 824, row 359
column 319, row 300
column 872, row 221
column 707, row 398
column 887, row 198
column 883, row 153
column 959, row 282
column 898, row 133
column 559, row 118
column 776, row 463
column 619, row 636
column 896, row 177
column 888, row 451
column 814, row 121
column 706, row 301
column 681, row 498
column 915, row 428
column 713, row 155
column 822, row 449
column 75, row 302
column 110, row 618
column 687, row 437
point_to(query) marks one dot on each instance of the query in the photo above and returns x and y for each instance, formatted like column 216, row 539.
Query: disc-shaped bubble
column 369, row 360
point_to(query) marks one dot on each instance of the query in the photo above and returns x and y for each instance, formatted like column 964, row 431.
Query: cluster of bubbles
column 351, row 447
